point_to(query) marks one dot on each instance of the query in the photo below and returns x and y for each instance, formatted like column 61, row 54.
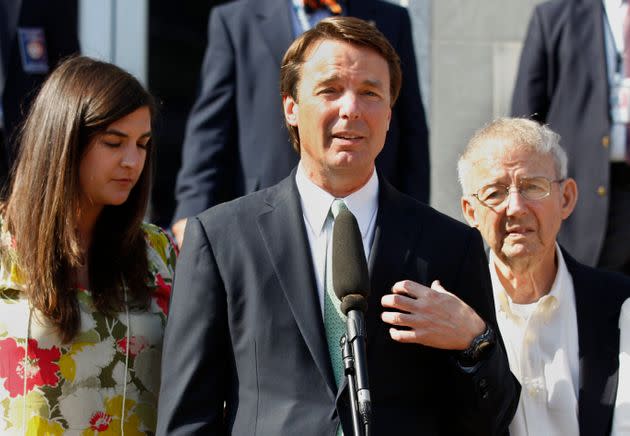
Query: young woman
column 84, row 284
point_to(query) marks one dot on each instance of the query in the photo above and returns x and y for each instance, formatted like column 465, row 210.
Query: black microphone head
column 353, row 302
column 349, row 268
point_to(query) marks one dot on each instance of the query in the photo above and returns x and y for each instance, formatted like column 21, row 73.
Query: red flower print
column 100, row 421
column 162, row 293
column 137, row 344
column 39, row 368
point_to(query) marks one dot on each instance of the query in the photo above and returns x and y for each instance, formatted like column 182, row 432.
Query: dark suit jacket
column 236, row 141
column 58, row 19
column 562, row 81
column 245, row 327
column 598, row 299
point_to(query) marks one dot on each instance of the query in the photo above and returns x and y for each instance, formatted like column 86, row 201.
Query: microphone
column 351, row 283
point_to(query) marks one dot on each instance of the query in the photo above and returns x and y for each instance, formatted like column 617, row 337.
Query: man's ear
column 569, row 191
column 291, row 109
column 470, row 214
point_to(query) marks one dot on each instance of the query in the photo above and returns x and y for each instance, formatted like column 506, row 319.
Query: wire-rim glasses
column 530, row 188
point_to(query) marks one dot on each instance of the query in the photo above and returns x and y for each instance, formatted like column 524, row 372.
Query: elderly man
column 252, row 341
column 558, row 318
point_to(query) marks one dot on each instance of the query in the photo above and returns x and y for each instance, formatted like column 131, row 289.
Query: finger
column 437, row 286
column 409, row 288
column 399, row 302
column 404, row 336
column 398, row 319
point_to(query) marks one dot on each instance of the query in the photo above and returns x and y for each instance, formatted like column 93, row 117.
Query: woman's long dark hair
column 80, row 99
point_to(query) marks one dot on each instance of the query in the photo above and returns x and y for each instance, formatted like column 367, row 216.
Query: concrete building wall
column 468, row 51
column 116, row 31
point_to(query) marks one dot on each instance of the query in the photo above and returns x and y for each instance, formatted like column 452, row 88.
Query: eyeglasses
column 533, row 188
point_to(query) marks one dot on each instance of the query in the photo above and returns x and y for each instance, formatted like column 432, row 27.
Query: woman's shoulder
column 158, row 241
column 157, row 238
column 161, row 254
column 10, row 275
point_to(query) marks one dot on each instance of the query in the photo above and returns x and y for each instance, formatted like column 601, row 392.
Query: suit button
column 601, row 191
column 485, row 395
column 605, row 141
column 483, row 383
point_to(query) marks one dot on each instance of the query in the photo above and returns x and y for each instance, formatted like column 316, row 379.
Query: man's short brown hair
column 345, row 29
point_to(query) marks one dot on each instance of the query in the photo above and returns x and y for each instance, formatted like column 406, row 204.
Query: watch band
column 478, row 348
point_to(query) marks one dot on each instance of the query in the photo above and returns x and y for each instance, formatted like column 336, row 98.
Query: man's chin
column 518, row 251
column 349, row 163
column 346, row 159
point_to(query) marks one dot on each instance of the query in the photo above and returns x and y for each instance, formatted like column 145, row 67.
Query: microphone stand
column 353, row 345
column 348, row 366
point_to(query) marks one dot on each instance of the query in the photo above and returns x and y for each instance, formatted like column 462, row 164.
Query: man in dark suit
column 558, row 318
column 235, row 138
column 250, row 343
column 570, row 69
column 34, row 36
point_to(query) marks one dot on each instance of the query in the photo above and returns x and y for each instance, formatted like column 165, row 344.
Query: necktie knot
column 337, row 206
column 332, row 5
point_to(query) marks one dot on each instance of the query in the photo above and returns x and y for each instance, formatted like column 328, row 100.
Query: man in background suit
column 236, row 140
column 250, row 343
column 571, row 64
column 558, row 318
column 34, row 36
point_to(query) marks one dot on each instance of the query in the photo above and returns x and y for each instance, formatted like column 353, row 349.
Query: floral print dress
column 105, row 382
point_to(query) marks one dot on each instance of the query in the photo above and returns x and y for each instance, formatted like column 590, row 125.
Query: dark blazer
column 598, row 299
column 236, row 140
column 58, row 20
column 245, row 327
column 562, row 81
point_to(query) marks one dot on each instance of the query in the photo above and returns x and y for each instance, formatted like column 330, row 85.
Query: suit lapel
column 597, row 352
column 394, row 237
column 282, row 229
column 274, row 22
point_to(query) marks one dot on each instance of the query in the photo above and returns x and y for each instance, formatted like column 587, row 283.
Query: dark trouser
column 615, row 255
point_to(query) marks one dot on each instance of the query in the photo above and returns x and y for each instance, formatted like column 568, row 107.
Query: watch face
column 484, row 344
column 479, row 347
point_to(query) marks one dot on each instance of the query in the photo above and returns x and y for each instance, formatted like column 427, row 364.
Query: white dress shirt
column 621, row 419
column 315, row 207
column 541, row 342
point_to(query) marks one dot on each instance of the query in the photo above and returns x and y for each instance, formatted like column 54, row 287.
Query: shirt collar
column 549, row 302
column 316, row 202
column 610, row 5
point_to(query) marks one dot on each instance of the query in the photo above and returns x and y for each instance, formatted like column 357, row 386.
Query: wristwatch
column 478, row 348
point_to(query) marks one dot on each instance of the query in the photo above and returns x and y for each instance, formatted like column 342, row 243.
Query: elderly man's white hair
column 521, row 133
